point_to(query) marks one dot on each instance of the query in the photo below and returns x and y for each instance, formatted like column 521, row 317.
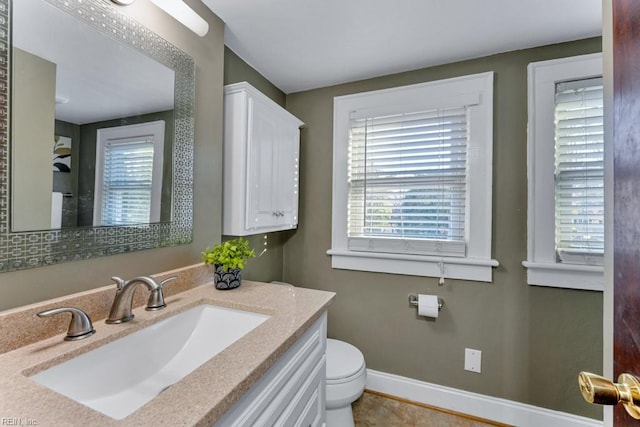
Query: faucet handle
column 167, row 280
column 156, row 298
column 119, row 282
column 80, row 326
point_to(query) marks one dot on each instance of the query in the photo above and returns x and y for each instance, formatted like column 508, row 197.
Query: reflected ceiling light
column 184, row 14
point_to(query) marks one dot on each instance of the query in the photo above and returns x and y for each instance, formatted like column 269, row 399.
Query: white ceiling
column 304, row 44
column 98, row 77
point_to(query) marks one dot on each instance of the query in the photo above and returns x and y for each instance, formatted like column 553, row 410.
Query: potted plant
column 228, row 260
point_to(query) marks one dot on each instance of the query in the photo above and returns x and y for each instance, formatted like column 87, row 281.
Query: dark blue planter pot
column 227, row 279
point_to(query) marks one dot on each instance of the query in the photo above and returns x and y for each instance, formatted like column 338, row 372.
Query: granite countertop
column 200, row 398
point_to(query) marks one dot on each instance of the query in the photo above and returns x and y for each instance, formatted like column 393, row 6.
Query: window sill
column 557, row 275
column 475, row 269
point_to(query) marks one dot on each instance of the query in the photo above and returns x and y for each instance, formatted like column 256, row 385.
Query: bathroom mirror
column 58, row 102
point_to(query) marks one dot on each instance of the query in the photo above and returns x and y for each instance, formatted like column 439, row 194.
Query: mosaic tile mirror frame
column 22, row 250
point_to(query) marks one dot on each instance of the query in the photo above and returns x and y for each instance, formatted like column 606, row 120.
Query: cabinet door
column 262, row 147
column 287, row 173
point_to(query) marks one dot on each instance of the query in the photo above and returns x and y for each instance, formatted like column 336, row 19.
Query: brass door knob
column 599, row 390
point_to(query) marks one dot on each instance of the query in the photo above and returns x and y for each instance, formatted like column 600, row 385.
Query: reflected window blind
column 407, row 182
column 579, row 172
column 127, row 188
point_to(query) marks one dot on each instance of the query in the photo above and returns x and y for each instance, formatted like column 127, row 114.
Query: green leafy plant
column 230, row 254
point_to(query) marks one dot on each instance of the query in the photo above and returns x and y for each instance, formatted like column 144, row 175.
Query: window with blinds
column 407, row 182
column 127, row 182
column 579, row 172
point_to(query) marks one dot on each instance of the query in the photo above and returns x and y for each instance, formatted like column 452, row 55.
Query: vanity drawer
column 312, row 414
column 283, row 387
column 307, row 408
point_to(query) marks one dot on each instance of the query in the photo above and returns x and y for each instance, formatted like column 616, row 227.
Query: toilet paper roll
column 428, row 305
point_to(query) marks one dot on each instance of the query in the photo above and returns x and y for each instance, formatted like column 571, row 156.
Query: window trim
column 103, row 136
column 542, row 266
column 477, row 264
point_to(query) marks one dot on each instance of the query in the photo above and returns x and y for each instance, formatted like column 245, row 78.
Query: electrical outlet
column 472, row 360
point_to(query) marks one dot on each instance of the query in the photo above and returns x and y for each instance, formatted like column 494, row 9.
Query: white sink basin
column 120, row 377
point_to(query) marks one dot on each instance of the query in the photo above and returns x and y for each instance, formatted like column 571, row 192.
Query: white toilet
column 346, row 379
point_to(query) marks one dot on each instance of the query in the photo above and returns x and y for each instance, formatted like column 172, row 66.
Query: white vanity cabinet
column 261, row 154
column 292, row 391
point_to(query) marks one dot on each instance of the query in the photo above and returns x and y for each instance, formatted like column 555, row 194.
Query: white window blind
column 128, row 182
column 407, row 182
column 579, row 172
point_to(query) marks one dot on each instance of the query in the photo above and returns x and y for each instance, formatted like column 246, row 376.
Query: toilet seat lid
column 343, row 359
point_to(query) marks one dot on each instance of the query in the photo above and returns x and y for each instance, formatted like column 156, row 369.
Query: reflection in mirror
column 70, row 83
column 108, row 90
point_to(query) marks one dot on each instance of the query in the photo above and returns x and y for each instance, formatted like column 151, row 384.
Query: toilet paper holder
column 413, row 300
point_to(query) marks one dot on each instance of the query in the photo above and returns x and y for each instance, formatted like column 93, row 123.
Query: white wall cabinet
column 292, row 391
column 261, row 156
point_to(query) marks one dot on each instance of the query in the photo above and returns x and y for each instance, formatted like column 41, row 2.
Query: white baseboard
column 477, row 405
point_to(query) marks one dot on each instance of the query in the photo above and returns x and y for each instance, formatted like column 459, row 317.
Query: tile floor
column 378, row 410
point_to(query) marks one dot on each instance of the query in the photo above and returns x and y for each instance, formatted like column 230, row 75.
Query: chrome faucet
column 123, row 301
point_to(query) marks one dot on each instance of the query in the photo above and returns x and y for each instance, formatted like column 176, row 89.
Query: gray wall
column 27, row 286
column 236, row 70
column 32, row 162
column 534, row 340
